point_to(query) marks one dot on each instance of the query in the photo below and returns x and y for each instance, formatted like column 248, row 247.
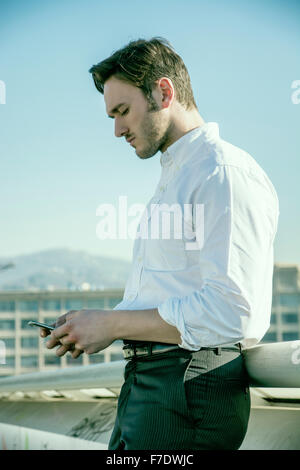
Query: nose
column 120, row 128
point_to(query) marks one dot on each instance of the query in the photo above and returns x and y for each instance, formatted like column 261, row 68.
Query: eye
column 125, row 112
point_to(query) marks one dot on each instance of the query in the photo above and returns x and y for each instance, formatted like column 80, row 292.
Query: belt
column 151, row 349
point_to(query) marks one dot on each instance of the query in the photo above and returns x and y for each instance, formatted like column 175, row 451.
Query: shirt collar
column 177, row 152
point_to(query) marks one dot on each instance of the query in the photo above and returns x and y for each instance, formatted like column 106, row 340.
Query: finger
column 57, row 334
column 44, row 332
column 62, row 350
column 66, row 346
column 54, row 340
column 76, row 353
column 66, row 341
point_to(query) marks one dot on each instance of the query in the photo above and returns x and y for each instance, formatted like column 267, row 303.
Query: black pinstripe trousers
column 183, row 400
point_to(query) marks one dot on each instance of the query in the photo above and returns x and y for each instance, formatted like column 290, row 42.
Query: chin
column 140, row 153
column 145, row 154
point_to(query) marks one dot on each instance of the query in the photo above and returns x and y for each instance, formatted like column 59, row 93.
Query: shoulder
column 219, row 162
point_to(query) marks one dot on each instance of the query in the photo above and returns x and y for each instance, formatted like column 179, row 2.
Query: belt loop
column 218, row 351
column 134, row 360
column 134, row 377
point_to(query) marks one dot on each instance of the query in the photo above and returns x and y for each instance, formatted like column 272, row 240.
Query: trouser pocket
column 195, row 386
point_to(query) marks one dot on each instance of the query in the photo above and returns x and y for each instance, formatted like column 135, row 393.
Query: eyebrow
column 115, row 110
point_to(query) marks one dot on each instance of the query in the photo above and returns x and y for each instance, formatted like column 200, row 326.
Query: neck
column 183, row 122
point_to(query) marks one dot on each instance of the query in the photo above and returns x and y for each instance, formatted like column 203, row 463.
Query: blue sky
column 59, row 159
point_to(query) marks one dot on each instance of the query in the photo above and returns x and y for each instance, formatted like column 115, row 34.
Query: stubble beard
column 155, row 132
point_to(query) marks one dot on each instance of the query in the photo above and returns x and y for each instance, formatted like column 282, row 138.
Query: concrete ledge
column 105, row 375
column 268, row 365
column 274, row 364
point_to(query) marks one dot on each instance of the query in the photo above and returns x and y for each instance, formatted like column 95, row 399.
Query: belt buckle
column 144, row 350
column 136, row 351
column 127, row 353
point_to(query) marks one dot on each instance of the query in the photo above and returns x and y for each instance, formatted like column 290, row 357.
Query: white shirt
column 220, row 293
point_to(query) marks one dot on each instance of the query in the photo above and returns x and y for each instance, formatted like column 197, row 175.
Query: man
column 194, row 299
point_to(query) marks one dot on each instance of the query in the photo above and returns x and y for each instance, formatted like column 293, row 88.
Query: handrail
column 274, row 364
column 105, row 375
column 268, row 365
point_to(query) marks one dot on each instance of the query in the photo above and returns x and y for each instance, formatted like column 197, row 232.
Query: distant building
column 285, row 318
column 24, row 348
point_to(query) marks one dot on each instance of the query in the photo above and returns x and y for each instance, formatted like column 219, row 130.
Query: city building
column 25, row 351
column 24, row 348
column 285, row 318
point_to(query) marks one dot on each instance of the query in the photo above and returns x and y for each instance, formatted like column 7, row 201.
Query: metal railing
column 105, row 375
column 268, row 365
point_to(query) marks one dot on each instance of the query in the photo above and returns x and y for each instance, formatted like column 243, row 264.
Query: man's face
column 145, row 127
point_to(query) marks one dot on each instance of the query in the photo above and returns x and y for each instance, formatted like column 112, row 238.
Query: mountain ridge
column 63, row 268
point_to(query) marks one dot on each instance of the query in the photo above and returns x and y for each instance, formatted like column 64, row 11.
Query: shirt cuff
column 170, row 311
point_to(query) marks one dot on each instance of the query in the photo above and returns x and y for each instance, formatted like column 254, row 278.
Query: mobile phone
column 41, row 325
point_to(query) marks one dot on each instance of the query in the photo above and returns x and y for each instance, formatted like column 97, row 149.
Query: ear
column 166, row 89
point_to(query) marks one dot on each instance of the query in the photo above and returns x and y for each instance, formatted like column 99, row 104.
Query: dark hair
column 143, row 62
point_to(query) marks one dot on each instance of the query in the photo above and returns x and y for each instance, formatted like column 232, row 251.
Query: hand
column 63, row 349
column 88, row 331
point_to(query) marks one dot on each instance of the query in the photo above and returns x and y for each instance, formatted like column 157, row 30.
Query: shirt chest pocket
column 165, row 254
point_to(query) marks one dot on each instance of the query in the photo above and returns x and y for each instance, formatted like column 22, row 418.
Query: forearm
column 144, row 325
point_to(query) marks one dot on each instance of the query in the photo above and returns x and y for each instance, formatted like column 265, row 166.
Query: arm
column 94, row 330
column 144, row 325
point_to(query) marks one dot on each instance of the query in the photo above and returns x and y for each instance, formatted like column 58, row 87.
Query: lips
column 130, row 140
